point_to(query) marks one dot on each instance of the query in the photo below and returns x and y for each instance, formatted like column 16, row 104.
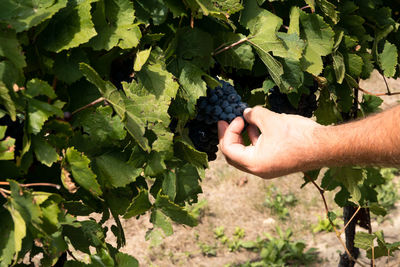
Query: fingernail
column 247, row 110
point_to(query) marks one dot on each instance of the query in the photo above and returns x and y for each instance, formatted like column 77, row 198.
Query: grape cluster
column 280, row 103
column 221, row 103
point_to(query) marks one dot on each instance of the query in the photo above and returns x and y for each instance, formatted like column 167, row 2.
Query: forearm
column 372, row 141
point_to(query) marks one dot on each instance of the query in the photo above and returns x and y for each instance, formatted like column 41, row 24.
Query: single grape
column 224, row 104
column 213, row 99
column 202, row 102
column 228, row 109
column 231, row 116
column 233, row 98
column 219, row 92
column 209, row 109
column 217, row 110
column 67, row 115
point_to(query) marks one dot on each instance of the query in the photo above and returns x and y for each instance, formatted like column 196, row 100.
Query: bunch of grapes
column 221, row 103
column 280, row 103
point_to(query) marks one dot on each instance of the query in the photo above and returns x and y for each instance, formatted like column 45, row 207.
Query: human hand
column 285, row 144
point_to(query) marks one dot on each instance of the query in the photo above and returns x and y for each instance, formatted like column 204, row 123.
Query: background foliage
column 95, row 96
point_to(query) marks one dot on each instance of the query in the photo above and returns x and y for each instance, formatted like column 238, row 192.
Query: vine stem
column 307, row 6
column 3, row 193
column 89, row 105
column 229, row 46
column 352, row 217
column 387, row 85
column 338, row 234
column 378, row 94
column 33, row 184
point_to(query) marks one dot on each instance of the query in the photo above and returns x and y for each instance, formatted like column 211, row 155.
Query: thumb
column 256, row 116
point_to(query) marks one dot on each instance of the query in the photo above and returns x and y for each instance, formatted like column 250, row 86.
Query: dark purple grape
column 202, row 102
column 228, row 109
column 217, row 110
column 209, row 109
column 213, row 99
column 67, row 115
column 219, row 92
column 224, row 104
column 231, row 116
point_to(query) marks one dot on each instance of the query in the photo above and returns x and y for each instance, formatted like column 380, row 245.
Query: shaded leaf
column 81, row 171
column 114, row 23
column 175, row 212
column 70, row 27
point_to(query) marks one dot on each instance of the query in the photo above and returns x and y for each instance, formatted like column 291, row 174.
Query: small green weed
column 324, row 225
column 279, row 251
column 279, row 202
column 234, row 243
column 388, row 192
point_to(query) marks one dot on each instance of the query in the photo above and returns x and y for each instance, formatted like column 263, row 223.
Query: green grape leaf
column 139, row 205
column 114, row 171
column 6, row 100
column 66, row 65
column 339, row 66
column 193, row 86
column 169, row 184
column 320, row 41
column 81, row 171
column 155, row 164
column 45, row 153
column 154, row 9
column 85, row 234
column 311, row 3
column 175, row 212
column 101, row 125
column 388, row 59
column 193, row 45
column 326, row 112
column 354, row 64
column 7, row 147
column 39, row 112
column 328, row 9
column 133, row 124
column 368, row 65
column 141, row 58
column 10, row 75
column 77, row 208
column 229, row 6
column 264, row 26
column 370, row 104
column 294, row 26
column 36, row 87
column 22, row 15
column 10, row 47
column 188, row 186
column 332, row 216
column 158, row 219
column 113, row 20
column 185, row 151
column 7, row 242
column 240, row 56
column 176, row 7
column 70, row 27
column 125, row 260
column 19, row 229
column 377, row 209
column 364, row 240
column 350, row 177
